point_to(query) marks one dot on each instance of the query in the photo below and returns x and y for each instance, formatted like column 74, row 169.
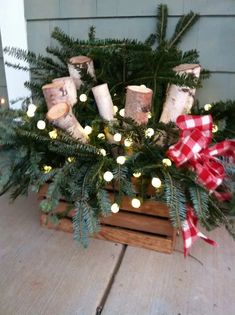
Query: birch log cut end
column 61, row 116
column 179, row 99
column 104, row 101
column 76, row 65
column 55, row 93
column 70, row 87
column 138, row 103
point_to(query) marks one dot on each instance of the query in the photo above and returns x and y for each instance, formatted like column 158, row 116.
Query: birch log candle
column 104, row 101
column 78, row 64
column 55, row 93
column 61, row 116
column 179, row 99
column 138, row 103
column 70, row 87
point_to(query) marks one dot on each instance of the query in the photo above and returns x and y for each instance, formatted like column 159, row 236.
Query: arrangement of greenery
column 74, row 170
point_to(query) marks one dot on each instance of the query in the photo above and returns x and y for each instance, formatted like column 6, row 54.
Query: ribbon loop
column 192, row 149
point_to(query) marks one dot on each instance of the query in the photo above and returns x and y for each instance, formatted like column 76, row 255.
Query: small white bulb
column 101, row 136
column 41, row 124
column 83, row 98
column 115, row 109
column 166, row 162
column 207, row 107
column 121, row 159
column 32, row 108
column 2, row 101
column 30, row 113
column 215, row 128
column 143, row 86
column 103, row 152
column 122, row 112
column 128, row 142
column 156, row 182
column 117, row 137
column 137, row 174
column 149, row 115
column 115, row 207
column 135, row 203
column 149, row 132
column 108, row 176
column 88, row 130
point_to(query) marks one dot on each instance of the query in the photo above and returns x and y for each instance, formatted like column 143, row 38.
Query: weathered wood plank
column 43, row 271
column 216, row 52
column 174, row 285
column 140, row 223
column 53, row 9
column 138, row 239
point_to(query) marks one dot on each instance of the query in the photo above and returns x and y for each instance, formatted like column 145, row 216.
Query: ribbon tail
column 191, row 233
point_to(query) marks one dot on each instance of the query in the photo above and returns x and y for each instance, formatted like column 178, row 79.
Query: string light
column 135, row 203
column 166, row 162
column 117, row 137
column 121, row 159
column 156, row 182
column 103, row 152
column 108, row 176
column 47, row 169
column 207, row 107
column 88, row 130
column 71, row 159
column 53, row 134
column 30, row 114
column 115, row 109
column 2, row 101
column 115, row 207
column 101, row 136
column 41, row 124
column 149, row 132
column 215, row 128
column 122, row 112
column 32, row 108
column 137, row 174
column 128, row 142
column 143, row 86
column 149, row 115
column 83, row 98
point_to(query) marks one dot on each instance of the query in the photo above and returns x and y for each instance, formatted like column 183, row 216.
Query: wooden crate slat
column 140, row 223
column 134, row 238
column 151, row 207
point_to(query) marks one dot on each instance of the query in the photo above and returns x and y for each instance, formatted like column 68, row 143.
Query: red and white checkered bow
column 192, row 148
column 191, row 233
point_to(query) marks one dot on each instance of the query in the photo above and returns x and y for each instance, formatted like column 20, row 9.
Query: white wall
column 13, row 32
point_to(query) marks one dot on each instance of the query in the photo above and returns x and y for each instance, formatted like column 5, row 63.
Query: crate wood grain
column 148, row 226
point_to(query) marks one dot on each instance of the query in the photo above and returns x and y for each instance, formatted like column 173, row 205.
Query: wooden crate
column 148, row 226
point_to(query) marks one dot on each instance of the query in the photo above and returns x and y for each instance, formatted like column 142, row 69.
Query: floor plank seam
column 104, row 298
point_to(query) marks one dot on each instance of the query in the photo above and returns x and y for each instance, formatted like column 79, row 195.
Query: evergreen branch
column 162, row 23
column 183, row 25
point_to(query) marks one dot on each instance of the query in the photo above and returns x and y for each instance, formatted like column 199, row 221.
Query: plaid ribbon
column 191, row 233
column 192, row 148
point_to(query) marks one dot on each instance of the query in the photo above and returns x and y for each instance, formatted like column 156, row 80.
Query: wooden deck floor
column 42, row 272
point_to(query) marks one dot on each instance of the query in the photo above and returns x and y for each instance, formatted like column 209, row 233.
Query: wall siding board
column 36, row 9
column 212, row 36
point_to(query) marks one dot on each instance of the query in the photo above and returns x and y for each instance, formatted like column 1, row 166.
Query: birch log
column 138, row 103
column 55, row 93
column 179, row 99
column 70, row 87
column 78, row 64
column 104, row 101
column 61, row 116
